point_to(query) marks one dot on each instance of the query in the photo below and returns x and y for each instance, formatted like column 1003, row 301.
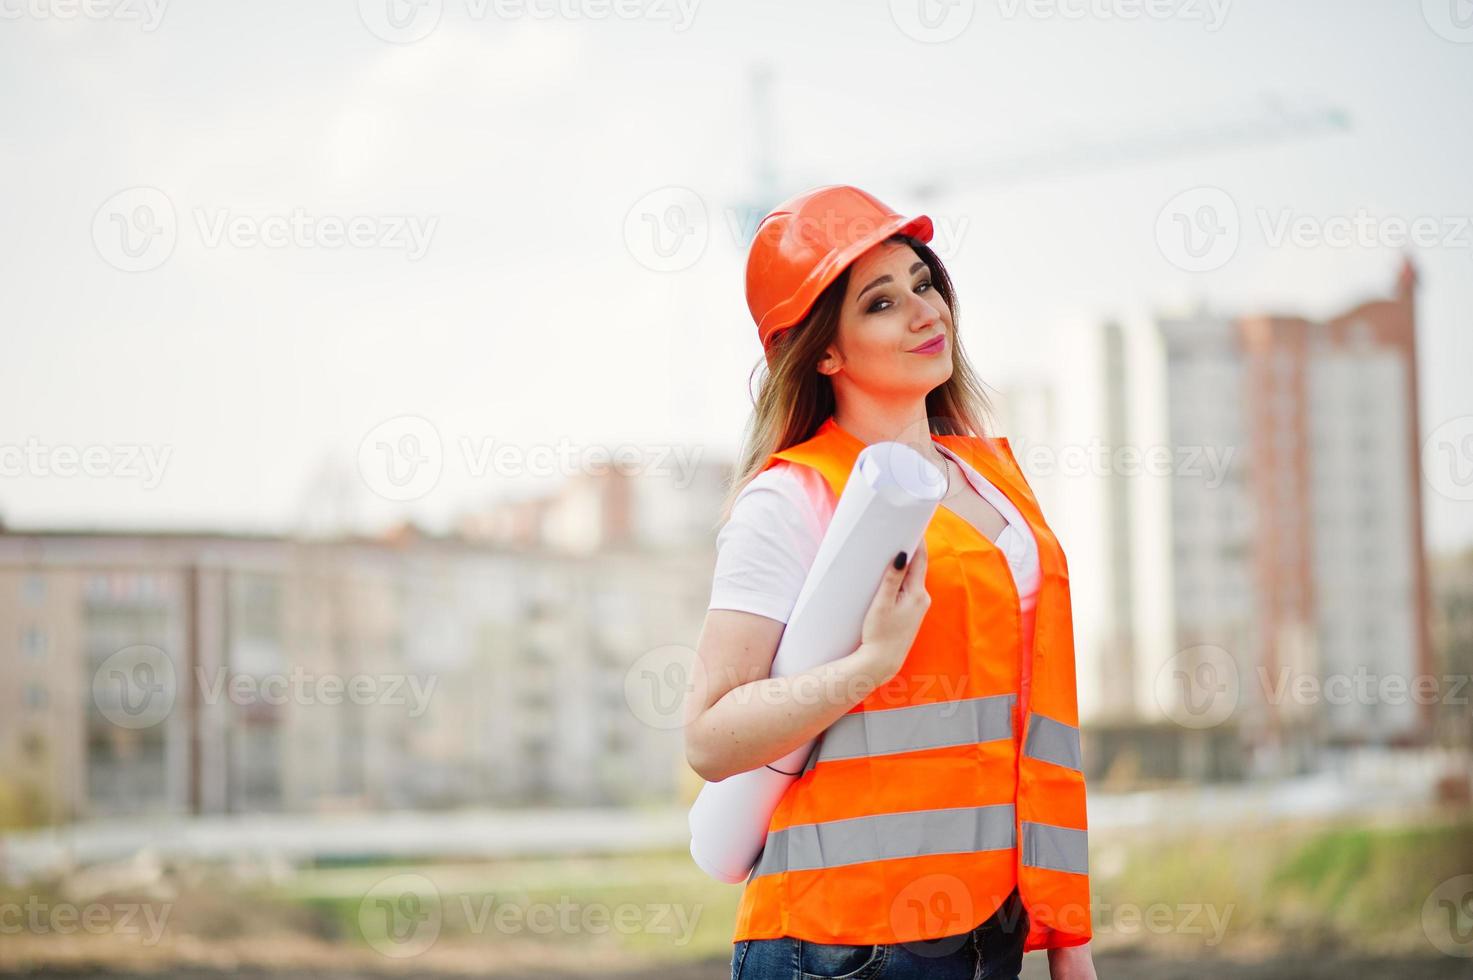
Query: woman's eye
column 875, row 306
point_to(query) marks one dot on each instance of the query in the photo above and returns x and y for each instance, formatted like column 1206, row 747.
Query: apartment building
column 203, row 673
column 1306, row 563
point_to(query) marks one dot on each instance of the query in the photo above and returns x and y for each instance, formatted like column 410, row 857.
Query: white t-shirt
column 764, row 551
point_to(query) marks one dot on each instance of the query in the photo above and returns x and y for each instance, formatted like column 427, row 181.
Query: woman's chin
column 938, row 375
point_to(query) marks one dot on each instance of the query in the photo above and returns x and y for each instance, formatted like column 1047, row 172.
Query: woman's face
column 890, row 308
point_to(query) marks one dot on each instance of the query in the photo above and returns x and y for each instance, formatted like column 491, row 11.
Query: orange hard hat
column 803, row 244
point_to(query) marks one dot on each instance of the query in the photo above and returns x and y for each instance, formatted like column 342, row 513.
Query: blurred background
column 373, row 373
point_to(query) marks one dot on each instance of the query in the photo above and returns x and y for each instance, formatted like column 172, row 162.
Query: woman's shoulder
column 766, row 547
column 786, row 477
column 786, row 491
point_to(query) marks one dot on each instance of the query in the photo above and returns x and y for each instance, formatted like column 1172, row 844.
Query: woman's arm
column 738, row 718
column 1071, row 963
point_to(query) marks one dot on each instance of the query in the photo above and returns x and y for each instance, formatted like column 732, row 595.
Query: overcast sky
column 242, row 238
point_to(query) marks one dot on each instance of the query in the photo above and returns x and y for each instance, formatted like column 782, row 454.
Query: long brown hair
column 793, row 399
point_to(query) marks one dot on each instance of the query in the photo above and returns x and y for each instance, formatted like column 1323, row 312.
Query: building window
column 33, row 641
column 33, row 590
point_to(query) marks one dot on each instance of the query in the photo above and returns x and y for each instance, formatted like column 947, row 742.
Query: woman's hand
column 894, row 618
column 1071, row 963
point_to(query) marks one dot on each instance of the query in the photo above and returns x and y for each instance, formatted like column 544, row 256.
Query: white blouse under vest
column 764, row 551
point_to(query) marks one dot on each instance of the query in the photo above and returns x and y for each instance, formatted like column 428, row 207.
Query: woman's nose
column 922, row 314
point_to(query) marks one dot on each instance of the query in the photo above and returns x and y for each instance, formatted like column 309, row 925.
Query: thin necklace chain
column 946, row 467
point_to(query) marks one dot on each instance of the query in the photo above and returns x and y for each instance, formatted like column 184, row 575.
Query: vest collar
column 981, row 454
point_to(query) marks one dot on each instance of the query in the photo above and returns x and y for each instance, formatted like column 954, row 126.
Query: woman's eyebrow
column 886, row 278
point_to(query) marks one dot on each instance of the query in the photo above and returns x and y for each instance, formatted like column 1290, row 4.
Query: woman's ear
column 830, row 362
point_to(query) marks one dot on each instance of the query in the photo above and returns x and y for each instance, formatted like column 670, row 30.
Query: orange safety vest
column 906, row 821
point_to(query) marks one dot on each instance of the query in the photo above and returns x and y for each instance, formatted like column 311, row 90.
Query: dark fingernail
column 900, row 560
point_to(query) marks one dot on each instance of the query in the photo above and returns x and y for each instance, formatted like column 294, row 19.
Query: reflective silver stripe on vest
column 1056, row 848
column 954, row 830
column 885, row 731
column 1052, row 741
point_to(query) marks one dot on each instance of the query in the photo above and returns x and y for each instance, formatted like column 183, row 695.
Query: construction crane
column 1269, row 121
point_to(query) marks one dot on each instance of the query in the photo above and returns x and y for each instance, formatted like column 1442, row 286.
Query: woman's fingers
column 915, row 574
column 895, row 574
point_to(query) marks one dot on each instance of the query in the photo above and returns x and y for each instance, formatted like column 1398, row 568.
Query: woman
column 937, row 829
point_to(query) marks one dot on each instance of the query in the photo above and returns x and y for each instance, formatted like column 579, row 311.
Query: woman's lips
column 931, row 346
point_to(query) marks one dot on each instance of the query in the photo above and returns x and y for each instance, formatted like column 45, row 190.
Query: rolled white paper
column 885, row 508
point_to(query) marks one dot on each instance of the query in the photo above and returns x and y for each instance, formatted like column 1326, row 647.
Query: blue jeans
column 991, row 951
